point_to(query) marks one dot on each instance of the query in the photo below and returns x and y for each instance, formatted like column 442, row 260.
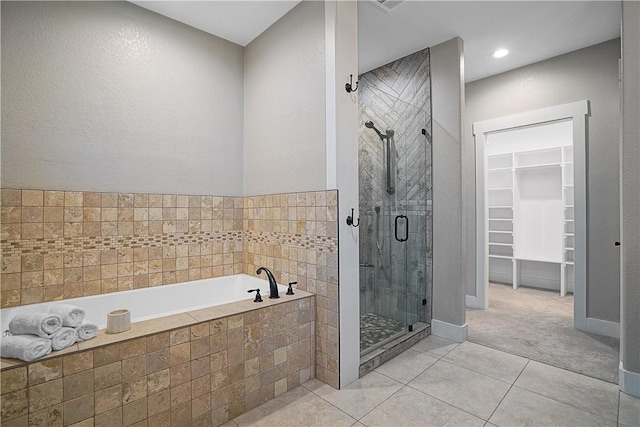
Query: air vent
column 387, row 5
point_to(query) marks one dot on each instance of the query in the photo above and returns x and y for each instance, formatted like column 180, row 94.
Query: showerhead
column 370, row 125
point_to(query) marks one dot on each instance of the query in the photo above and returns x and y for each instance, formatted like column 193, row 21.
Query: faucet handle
column 290, row 290
column 258, row 296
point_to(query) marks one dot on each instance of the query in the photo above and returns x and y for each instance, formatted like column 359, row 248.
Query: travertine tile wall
column 295, row 235
column 201, row 375
column 61, row 244
column 58, row 244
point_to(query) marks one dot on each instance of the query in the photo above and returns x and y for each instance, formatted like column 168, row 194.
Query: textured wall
column 630, row 159
column 590, row 73
column 448, row 256
column 284, row 112
column 107, row 96
column 397, row 277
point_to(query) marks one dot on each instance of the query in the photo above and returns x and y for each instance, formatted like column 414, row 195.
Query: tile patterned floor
column 441, row 383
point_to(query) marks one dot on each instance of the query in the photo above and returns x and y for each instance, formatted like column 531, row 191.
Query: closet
column 530, row 211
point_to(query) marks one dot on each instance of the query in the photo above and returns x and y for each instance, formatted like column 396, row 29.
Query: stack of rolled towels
column 34, row 335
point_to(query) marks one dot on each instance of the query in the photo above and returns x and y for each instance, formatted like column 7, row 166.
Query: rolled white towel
column 64, row 338
column 86, row 331
column 41, row 324
column 72, row 315
column 24, row 347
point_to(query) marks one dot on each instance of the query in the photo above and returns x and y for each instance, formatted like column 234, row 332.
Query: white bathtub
column 158, row 301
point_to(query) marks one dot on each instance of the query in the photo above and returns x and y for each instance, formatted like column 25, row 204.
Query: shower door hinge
column 424, row 301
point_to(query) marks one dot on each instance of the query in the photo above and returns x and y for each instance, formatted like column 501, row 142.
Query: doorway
column 546, row 187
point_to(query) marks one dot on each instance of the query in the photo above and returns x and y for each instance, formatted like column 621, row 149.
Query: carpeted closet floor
column 538, row 325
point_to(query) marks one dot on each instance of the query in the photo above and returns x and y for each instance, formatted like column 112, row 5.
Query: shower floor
column 376, row 330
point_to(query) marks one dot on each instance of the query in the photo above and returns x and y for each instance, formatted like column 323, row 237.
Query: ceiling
column 531, row 30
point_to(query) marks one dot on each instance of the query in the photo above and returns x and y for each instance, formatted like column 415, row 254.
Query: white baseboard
column 629, row 381
column 603, row 327
column 471, row 301
column 457, row 333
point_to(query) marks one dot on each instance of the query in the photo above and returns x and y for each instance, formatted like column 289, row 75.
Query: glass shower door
column 395, row 194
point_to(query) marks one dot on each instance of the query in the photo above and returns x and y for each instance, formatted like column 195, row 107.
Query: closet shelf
column 501, row 219
column 500, row 189
column 508, row 168
column 568, row 262
column 500, row 256
column 568, row 234
column 500, row 244
column 500, row 232
column 501, row 207
column 541, row 166
column 568, row 206
column 538, row 259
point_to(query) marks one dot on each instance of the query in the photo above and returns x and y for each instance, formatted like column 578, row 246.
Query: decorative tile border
column 60, row 244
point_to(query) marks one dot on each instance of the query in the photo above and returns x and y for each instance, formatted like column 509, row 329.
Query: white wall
column 284, row 113
column 107, row 96
column 630, row 159
column 342, row 141
column 447, row 88
column 590, row 73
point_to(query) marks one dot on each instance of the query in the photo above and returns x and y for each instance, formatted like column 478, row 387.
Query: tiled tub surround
column 296, row 236
column 199, row 368
column 61, row 244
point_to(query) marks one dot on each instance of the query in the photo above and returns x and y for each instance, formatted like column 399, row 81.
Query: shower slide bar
column 388, row 141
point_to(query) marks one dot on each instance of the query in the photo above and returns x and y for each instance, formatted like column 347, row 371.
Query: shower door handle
column 406, row 230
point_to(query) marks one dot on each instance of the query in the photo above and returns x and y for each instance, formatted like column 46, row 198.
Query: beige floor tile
column 229, row 423
column 362, row 396
column 484, row 360
column 357, row 424
column 410, row 407
column 467, row 390
column 524, row 408
column 629, row 411
column 297, row 407
column 589, row 394
column 435, row 346
column 407, row 365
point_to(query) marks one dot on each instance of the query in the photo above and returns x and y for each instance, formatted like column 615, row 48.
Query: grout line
column 446, row 403
column 618, row 415
column 569, row 404
column 510, row 388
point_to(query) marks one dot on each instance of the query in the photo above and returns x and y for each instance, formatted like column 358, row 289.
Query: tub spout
column 273, row 286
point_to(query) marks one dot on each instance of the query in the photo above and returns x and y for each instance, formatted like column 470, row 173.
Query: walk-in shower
column 395, row 202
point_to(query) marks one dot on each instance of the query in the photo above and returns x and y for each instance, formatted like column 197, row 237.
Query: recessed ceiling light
column 500, row 53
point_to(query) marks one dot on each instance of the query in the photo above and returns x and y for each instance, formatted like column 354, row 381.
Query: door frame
column 577, row 112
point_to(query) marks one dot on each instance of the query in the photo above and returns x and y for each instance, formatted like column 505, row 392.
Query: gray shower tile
column 589, row 394
column 524, row 408
column 472, row 392
column 484, row 360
